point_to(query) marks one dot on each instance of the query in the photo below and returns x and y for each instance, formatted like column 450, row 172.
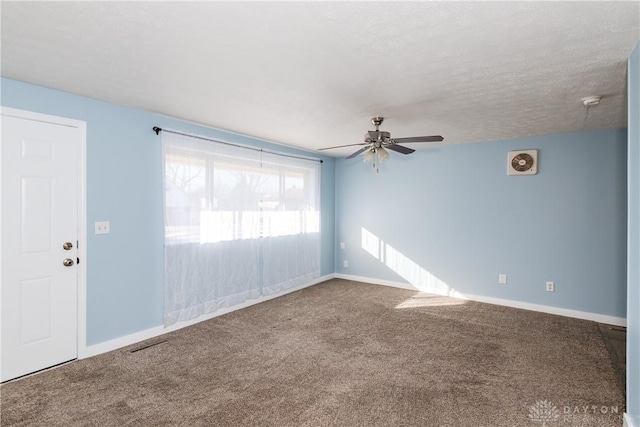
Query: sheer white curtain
column 239, row 224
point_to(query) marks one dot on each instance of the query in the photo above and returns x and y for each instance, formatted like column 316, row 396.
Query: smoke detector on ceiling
column 591, row 101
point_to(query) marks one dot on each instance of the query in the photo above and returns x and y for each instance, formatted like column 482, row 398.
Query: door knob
column 67, row 246
column 68, row 262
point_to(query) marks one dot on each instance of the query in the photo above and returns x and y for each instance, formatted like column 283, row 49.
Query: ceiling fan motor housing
column 384, row 135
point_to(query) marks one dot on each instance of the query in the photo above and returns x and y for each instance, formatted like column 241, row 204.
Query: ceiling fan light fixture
column 383, row 154
column 369, row 155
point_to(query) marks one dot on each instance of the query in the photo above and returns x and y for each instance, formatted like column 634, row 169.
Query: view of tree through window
column 212, row 198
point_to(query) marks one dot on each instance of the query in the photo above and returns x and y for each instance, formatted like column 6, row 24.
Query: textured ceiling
column 312, row 74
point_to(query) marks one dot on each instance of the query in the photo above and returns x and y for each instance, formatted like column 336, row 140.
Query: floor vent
column 147, row 345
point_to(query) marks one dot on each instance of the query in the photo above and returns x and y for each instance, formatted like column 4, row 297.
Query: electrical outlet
column 551, row 287
column 502, row 279
column 342, row 245
column 102, row 227
column 345, row 263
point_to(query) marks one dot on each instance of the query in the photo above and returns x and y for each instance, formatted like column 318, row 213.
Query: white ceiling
column 312, row 74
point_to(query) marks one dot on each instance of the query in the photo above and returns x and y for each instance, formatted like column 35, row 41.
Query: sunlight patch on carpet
column 423, row 300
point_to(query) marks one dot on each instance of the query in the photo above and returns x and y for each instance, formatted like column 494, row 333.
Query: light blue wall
column 459, row 220
column 124, row 268
column 633, row 284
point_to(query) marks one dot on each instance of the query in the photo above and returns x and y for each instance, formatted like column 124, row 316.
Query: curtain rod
column 157, row 130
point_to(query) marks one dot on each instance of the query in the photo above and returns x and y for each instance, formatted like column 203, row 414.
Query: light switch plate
column 102, row 227
column 502, row 279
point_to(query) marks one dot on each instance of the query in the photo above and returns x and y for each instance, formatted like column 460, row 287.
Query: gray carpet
column 340, row 354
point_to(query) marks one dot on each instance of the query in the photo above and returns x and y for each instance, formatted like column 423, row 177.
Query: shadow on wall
column 416, row 275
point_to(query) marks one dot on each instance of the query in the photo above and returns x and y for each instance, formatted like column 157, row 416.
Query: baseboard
column 595, row 317
column 628, row 421
column 126, row 340
column 585, row 315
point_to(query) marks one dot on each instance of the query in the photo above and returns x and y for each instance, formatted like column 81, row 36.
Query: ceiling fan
column 376, row 142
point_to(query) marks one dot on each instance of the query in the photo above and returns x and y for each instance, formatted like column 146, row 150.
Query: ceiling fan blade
column 340, row 146
column 399, row 148
column 357, row 152
column 374, row 134
column 432, row 138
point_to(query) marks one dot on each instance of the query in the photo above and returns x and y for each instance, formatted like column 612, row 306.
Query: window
column 212, row 198
column 239, row 224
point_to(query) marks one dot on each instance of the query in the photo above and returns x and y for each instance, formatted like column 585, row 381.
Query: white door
column 39, row 220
